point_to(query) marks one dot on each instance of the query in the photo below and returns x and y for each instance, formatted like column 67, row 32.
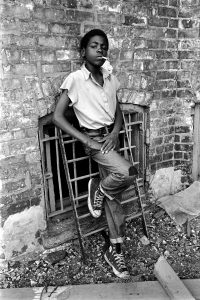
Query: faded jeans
column 117, row 174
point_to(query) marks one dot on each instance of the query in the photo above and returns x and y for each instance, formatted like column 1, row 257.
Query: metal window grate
column 81, row 167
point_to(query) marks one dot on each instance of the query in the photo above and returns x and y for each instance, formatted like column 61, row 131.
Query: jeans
column 117, row 174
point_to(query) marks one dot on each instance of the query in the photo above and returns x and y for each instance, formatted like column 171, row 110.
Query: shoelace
column 98, row 199
column 120, row 260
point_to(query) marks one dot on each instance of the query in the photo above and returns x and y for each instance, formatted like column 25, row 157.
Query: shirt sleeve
column 69, row 84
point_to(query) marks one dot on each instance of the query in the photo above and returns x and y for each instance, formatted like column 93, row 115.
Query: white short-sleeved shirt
column 94, row 105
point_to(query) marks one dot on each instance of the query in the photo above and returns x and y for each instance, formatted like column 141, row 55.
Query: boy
column 92, row 92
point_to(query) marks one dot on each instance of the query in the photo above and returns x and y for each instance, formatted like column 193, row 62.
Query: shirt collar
column 87, row 73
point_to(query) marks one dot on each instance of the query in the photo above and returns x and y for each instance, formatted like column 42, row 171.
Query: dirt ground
column 65, row 266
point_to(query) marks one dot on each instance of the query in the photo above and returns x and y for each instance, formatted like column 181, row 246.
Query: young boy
column 92, row 93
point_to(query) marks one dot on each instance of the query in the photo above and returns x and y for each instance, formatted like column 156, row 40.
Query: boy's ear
column 83, row 53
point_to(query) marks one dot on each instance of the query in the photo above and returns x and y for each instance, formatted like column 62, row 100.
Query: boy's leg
column 120, row 174
column 116, row 224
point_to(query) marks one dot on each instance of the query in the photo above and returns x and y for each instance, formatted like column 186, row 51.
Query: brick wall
column 154, row 48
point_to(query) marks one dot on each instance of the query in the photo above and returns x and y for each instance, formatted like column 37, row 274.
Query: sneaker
column 95, row 198
column 116, row 261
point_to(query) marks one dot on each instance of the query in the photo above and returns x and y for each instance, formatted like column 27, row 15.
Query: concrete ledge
column 170, row 282
column 146, row 290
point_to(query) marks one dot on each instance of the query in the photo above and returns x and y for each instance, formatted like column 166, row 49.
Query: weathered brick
column 168, row 94
column 182, row 147
column 51, row 42
column 67, row 54
column 183, row 84
column 171, row 33
column 158, row 22
column 178, row 155
column 167, row 12
column 188, row 33
column 133, row 20
column 168, row 156
column 171, row 121
column 54, row 15
column 189, row 44
column 177, row 138
column 165, row 75
column 33, row 26
column 157, row 141
column 166, row 131
column 25, row 41
column 186, row 93
column 144, row 54
column 186, row 139
column 80, row 16
column 12, row 56
column 188, row 23
column 165, row 164
column 156, row 158
column 11, row 84
column 173, row 3
column 56, row 68
column 173, row 23
column 25, row 56
column 173, row 64
column 156, row 44
column 20, row 12
column 159, row 149
column 24, row 69
column 168, row 148
column 165, row 54
column 70, row 3
column 182, row 129
column 58, row 28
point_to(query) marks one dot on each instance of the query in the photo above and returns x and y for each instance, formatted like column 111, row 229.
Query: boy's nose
column 100, row 50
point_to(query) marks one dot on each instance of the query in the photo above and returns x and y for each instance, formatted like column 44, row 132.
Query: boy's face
column 95, row 49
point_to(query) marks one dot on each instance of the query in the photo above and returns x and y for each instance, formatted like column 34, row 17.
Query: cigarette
column 105, row 57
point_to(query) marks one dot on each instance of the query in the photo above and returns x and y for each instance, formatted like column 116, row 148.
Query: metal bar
column 67, row 174
column 50, row 179
column 83, row 177
column 75, row 171
column 58, row 171
column 136, row 185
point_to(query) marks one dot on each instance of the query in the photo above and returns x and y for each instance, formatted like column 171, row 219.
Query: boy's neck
column 93, row 69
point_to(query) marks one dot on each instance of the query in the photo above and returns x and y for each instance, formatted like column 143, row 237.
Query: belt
column 100, row 131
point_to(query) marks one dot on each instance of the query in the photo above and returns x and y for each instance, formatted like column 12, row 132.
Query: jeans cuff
column 117, row 240
column 103, row 191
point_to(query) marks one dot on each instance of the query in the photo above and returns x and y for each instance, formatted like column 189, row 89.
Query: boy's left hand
column 109, row 142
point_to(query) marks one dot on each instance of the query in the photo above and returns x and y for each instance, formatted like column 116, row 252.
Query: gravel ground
column 64, row 266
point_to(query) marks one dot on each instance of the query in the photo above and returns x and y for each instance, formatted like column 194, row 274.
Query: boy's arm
column 118, row 119
column 110, row 141
column 60, row 120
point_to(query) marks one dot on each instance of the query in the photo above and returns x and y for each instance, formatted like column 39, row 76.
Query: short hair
column 85, row 39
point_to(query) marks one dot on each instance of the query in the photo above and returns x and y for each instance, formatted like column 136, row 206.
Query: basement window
column 81, row 167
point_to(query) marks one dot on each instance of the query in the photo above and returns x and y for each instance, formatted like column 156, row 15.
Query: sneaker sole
column 117, row 273
column 89, row 202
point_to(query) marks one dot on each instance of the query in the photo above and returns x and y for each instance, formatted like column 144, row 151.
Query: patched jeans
column 117, row 174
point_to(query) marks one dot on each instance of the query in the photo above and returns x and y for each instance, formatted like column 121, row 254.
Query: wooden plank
column 170, row 282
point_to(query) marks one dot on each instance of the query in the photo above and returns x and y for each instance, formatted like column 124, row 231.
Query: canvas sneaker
column 116, row 261
column 95, row 198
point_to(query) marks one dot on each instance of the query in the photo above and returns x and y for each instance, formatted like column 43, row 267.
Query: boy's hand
column 109, row 142
column 94, row 144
